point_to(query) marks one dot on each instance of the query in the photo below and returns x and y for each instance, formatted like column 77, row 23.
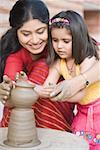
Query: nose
column 34, row 39
column 59, row 45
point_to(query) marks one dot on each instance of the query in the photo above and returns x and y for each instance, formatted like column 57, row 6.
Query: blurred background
column 89, row 9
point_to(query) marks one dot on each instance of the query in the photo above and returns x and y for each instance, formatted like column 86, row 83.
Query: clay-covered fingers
column 62, row 91
column 56, row 91
column 4, row 94
column 58, row 97
column 42, row 91
column 17, row 76
column 21, row 76
column 6, row 79
column 7, row 83
column 5, row 88
column 24, row 75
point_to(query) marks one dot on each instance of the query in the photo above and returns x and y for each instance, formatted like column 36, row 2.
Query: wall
column 90, row 9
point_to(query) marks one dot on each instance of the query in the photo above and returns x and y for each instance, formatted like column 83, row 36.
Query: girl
column 72, row 45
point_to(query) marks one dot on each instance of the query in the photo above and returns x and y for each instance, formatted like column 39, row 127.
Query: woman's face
column 33, row 36
column 62, row 42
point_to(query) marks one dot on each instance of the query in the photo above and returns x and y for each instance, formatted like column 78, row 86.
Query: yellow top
column 92, row 91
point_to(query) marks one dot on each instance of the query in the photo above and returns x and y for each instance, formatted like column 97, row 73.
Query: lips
column 37, row 46
column 61, row 53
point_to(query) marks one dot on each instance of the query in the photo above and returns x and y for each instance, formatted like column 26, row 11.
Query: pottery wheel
column 50, row 140
column 42, row 146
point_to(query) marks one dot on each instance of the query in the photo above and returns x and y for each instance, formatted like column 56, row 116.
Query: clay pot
column 23, row 95
column 21, row 129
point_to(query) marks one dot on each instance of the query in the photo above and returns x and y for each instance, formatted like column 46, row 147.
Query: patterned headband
column 66, row 21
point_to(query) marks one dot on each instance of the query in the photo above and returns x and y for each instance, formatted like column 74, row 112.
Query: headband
column 66, row 21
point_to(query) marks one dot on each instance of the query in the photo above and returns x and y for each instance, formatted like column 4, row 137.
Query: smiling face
column 62, row 42
column 33, row 36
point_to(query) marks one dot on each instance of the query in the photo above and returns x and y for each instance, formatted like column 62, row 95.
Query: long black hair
column 82, row 44
column 21, row 12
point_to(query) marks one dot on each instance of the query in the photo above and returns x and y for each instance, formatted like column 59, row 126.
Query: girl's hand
column 44, row 91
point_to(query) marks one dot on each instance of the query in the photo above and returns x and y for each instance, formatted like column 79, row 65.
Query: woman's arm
column 74, row 99
column 68, row 88
column 13, row 65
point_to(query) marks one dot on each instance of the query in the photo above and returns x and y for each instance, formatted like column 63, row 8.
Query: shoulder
column 87, row 63
column 21, row 55
column 16, row 54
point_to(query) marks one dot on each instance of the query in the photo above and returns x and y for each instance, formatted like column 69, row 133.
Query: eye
column 41, row 31
column 54, row 40
column 67, row 41
column 26, row 33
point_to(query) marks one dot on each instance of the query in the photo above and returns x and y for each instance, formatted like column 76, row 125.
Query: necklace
column 70, row 69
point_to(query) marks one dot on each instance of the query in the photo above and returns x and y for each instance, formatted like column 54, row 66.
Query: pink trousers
column 86, row 123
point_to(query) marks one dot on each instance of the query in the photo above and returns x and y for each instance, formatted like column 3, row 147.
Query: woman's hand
column 5, row 88
column 67, row 88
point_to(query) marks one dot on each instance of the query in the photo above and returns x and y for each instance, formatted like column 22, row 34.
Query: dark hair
column 21, row 12
column 82, row 44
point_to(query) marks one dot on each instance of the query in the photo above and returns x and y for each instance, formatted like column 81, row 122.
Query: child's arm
column 50, row 82
column 54, row 74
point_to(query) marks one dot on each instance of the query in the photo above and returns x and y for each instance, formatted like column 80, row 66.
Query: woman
column 24, row 47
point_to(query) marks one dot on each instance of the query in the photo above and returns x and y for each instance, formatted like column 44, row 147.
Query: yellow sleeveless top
column 92, row 91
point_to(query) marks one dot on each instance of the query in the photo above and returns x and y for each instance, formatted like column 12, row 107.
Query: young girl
column 72, row 45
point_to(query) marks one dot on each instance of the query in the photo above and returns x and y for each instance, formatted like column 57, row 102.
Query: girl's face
column 33, row 36
column 62, row 42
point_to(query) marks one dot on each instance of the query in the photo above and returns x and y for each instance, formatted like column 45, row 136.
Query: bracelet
column 85, row 78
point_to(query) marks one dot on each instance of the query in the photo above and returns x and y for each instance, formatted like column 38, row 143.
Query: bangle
column 85, row 78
